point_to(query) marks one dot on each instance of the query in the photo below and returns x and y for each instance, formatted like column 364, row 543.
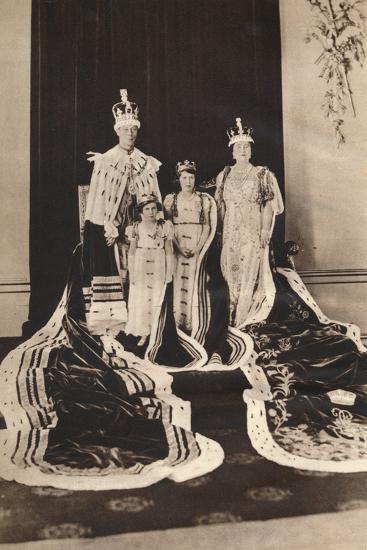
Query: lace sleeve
column 264, row 192
column 268, row 190
column 218, row 197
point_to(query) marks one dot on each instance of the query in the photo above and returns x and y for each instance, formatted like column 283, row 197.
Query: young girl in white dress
column 150, row 265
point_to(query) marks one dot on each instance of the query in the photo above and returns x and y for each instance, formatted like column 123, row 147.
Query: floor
column 343, row 531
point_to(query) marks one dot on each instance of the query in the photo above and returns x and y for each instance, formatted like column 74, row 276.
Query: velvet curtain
column 191, row 65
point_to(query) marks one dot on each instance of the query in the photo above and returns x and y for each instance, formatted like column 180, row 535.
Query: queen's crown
column 239, row 133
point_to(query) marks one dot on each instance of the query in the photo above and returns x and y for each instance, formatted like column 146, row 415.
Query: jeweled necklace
column 245, row 175
column 240, row 184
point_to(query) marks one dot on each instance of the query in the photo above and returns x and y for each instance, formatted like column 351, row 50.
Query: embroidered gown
column 189, row 218
column 240, row 200
column 147, row 275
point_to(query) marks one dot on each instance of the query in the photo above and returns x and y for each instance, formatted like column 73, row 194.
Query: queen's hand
column 264, row 238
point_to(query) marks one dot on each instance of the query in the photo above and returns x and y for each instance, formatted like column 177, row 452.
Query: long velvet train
column 308, row 404
column 81, row 412
column 80, row 415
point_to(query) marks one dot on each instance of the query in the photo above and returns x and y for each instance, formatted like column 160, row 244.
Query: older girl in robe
column 189, row 211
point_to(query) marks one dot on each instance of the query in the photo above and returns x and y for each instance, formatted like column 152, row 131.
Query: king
column 121, row 175
column 119, row 179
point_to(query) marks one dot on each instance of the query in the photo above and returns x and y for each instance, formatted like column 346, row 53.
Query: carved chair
column 82, row 196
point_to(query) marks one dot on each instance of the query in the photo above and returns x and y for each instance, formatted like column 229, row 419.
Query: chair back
column 82, row 198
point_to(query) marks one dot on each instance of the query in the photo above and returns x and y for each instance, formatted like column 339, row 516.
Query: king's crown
column 125, row 112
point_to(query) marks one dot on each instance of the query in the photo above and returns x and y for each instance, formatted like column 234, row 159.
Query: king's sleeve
column 95, row 209
column 154, row 163
column 153, row 167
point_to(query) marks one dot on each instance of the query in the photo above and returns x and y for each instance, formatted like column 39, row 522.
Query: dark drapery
column 191, row 65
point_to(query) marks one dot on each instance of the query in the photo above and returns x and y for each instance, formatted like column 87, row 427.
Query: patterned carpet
column 246, row 487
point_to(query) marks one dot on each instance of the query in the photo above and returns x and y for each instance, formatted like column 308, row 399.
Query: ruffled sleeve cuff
column 167, row 203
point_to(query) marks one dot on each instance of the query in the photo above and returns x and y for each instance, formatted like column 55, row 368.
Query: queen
column 248, row 200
